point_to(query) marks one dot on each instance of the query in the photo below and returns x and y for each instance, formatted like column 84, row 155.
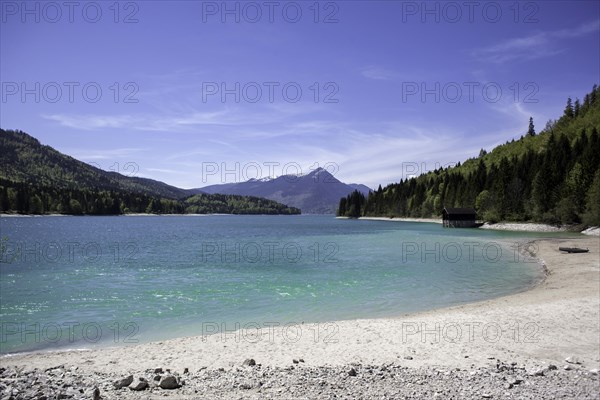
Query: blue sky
column 195, row 93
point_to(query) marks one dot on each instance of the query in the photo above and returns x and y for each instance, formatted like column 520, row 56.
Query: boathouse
column 459, row 218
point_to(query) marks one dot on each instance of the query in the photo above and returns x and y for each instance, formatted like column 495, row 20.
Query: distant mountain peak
column 266, row 179
column 319, row 171
column 316, row 192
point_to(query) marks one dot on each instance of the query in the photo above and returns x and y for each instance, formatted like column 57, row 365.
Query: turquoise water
column 81, row 282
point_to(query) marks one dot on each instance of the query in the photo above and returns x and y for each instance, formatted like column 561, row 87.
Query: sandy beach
column 523, row 227
column 536, row 330
column 500, row 226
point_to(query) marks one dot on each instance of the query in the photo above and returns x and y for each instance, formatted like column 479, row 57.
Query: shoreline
column 499, row 226
column 523, row 337
column 571, row 279
column 127, row 215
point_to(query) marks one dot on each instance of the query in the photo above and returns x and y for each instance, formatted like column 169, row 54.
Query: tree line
column 551, row 177
column 25, row 198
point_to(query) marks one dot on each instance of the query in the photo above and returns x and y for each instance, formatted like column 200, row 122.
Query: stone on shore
column 93, row 393
column 169, row 382
column 121, row 383
column 138, row 384
column 249, row 362
column 573, row 360
column 354, row 380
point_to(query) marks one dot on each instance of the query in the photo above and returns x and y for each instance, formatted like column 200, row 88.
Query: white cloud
column 378, row 156
column 142, row 122
column 584, row 29
column 532, row 47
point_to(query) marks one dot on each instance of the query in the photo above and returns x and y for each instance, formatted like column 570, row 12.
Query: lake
column 83, row 282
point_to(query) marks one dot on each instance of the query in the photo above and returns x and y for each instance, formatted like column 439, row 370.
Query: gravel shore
column 388, row 381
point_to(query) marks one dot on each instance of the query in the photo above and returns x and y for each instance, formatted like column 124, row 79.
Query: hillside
column 551, row 177
column 315, row 193
column 37, row 179
column 25, row 159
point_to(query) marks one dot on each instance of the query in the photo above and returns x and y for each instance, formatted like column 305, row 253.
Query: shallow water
column 81, row 282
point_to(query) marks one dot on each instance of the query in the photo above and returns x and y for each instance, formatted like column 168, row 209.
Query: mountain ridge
column 317, row 192
column 37, row 179
column 64, row 171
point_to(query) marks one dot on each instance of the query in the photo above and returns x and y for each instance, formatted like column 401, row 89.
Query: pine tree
column 573, row 196
column 341, row 212
column 590, row 157
column 35, row 205
column 577, row 108
column 531, row 130
column 586, row 103
column 592, row 215
column 569, row 109
column 4, row 201
column 75, row 207
column 550, row 124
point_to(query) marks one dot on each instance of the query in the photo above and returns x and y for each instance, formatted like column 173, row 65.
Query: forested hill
column 25, row 159
column 551, row 177
column 37, row 179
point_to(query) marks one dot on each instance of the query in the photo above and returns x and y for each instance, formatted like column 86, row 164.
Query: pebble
column 500, row 381
column 93, row 393
column 169, row 382
column 514, row 380
column 249, row 362
column 573, row 360
column 138, row 384
column 123, row 382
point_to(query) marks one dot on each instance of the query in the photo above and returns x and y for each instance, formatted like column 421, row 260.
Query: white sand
column 558, row 318
column 523, row 227
column 592, row 231
column 501, row 226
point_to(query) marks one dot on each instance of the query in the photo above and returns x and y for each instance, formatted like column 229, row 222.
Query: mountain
column 25, row 159
column 37, row 179
column 551, row 177
column 315, row 193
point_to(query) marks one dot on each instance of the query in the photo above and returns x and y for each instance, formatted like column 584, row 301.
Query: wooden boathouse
column 459, row 218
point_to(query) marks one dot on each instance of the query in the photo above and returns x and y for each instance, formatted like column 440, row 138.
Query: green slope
column 24, row 159
column 37, row 179
column 551, row 177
